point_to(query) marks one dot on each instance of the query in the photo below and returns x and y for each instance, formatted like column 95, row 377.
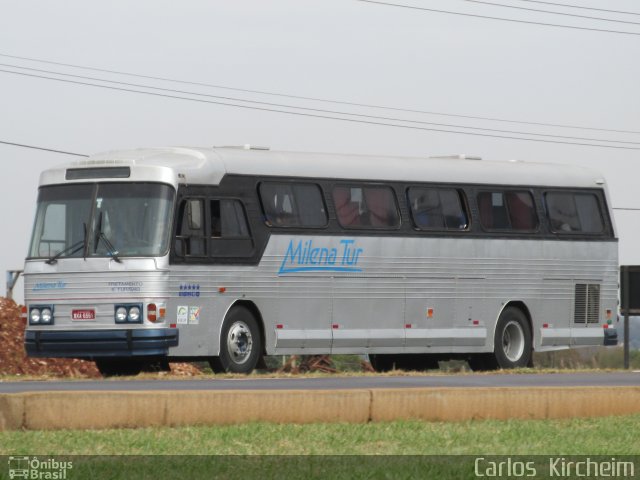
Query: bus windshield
column 102, row 220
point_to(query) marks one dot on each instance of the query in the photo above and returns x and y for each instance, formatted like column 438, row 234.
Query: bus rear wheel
column 240, row 343
column 513, row 344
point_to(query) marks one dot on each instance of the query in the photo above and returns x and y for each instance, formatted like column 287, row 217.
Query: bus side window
column 190, row 238
column 230, row 235
column 348, row 211
column 455, row 216
column 383, row 211
column 228, row 219
column 293, row 205
column 493, row 211
column 574, row 212
column 437, row 208
column 371, row 205
column 511, row 210
column 522, row 213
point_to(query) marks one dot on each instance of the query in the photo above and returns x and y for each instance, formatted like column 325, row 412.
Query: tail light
column 152, row 312
column 156, row 312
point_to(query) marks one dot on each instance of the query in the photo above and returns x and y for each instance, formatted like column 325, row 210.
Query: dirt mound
column 14, row 361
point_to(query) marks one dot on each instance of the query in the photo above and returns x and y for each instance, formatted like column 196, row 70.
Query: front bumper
column 100, row 343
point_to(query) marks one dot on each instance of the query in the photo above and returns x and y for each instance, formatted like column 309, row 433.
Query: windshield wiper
column 99, row 235
column 76, row 247
column 111, row 249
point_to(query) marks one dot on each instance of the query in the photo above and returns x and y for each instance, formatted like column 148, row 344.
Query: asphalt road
column 603, row 379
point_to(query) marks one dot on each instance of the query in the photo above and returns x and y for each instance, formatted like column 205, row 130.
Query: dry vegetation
column 14, row 361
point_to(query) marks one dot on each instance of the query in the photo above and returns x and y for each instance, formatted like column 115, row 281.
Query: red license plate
column 87, row 314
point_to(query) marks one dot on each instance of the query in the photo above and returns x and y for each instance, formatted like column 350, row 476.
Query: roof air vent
column 462, row 156
column 246, row 146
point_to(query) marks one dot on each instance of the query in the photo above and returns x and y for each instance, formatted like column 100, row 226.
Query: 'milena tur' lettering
column 303, row 256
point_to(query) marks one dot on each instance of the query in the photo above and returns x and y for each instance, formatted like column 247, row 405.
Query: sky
column 454, row 66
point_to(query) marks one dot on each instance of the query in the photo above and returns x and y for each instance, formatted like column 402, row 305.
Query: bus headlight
column 46, row 316
column 121, row 314
column 41, row 315
column 134, row 314
column 35, row 316
column 128, row 313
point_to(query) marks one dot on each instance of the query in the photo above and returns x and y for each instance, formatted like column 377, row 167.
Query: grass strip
column 595, row 436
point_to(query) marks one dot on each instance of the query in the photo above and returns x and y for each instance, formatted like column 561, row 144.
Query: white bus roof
column 176, row 165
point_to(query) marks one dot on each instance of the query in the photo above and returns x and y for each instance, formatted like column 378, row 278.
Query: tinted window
column 437, row 208
column 230, row 237
column 369, row 206
column 574, row 212
column 228, row 219
column 190, row 241
column 511, row 210
column 293, row 205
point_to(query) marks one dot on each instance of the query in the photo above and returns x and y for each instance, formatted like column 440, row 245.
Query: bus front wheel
column 240, row 343
column 513, row 340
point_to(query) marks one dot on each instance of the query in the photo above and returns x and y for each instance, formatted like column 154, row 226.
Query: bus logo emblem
column 19, row 467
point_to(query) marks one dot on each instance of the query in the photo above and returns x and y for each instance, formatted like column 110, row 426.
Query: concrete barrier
column 457, row 404
column 11, row 412
column 100, row 410
column 97, row 410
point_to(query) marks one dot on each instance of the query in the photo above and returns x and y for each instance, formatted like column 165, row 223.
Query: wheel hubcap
column 513, row 341
column 239, row 342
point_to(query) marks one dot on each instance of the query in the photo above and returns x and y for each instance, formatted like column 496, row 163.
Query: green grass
column 261, row 450
column 611, row 435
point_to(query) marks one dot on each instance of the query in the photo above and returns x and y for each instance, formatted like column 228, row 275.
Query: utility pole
column 12, row 278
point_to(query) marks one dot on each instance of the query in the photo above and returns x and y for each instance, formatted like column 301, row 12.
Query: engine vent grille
column 587, row 306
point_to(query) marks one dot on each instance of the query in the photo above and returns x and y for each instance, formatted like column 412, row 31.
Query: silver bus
column 230, row 254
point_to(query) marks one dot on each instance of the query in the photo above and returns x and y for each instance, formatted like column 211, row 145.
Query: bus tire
column 240, row 342
column 513, row 344
column 216, row 365
column 121, row 366
column 482, row 362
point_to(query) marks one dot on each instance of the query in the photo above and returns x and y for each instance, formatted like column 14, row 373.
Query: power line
column 310, row 115
column 499, row 18
column 580, row 7
column 42, row 148
column 551, row 12
column 316, row 99
column 333, row 112
column 629, row 209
